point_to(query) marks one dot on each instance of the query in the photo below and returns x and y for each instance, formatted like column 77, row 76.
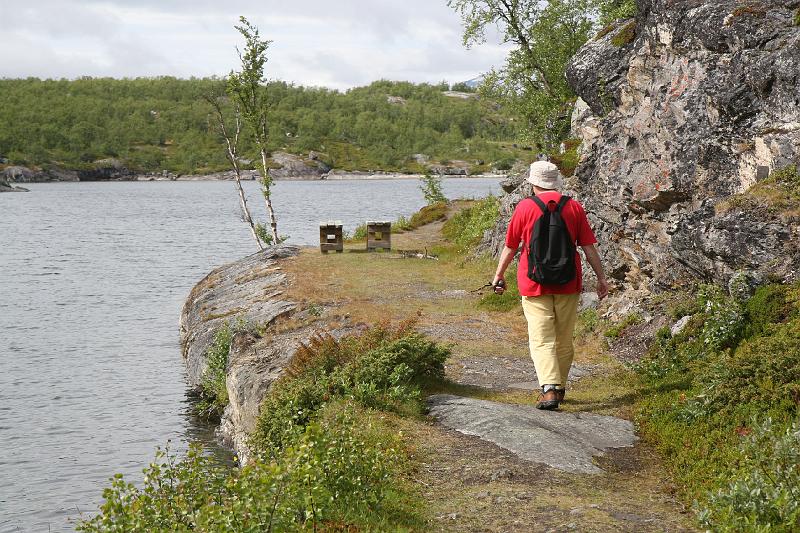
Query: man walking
column 549, row 275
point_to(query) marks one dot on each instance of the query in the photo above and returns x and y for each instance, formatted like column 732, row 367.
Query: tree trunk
column 232, row 145
column 265, row 190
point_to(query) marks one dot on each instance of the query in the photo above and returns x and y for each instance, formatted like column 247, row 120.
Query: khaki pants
column 551, row 324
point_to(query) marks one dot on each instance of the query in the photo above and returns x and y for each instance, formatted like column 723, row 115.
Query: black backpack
column 551, row 257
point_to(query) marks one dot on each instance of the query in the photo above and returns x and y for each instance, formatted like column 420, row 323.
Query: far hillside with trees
column 154, row 124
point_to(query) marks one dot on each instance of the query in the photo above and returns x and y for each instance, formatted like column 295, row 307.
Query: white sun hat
column 545, row 175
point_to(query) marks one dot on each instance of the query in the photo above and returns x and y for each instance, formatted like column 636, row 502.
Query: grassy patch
column 617, row 329
column 625, row 36
column 466, row 228
column 568, row 161
column 751, row 10
column 780, row 193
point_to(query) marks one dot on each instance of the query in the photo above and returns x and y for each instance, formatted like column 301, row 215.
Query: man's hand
column 602, row 288
column 499, row 288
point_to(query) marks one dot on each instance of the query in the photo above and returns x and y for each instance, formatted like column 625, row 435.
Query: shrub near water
column 325, row 460
column 381, row 369
column 719, row 395
column 341, row 470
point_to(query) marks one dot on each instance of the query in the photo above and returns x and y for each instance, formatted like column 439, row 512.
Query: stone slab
column 565, row 441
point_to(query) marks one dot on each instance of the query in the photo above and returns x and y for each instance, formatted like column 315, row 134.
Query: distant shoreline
column 336, row 177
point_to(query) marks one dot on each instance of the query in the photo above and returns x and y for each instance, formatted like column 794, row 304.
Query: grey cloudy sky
column 332, row 43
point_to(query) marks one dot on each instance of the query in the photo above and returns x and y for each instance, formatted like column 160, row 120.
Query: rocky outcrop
column 20, row 174
column 250, row 295
column 5, row 186
column 296, row 167
column 687, row 105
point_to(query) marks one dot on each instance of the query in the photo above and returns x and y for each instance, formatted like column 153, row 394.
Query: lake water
column 92, row 280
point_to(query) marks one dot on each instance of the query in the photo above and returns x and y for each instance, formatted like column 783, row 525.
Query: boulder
column 680, row 109
column 295, row 167
column 565, row 441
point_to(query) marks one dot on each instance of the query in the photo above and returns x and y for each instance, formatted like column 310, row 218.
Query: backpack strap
column 562, row 203
column 540, row 203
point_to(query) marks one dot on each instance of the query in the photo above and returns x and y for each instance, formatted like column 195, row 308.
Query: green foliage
column 359, row 233
column 213, row 390
column 431, row 187
column 381, row 368
column 724, row 318
column 264, row 234
column 764, row 368
column 466, row 228
column 343, row 472
column 163, row 123
column 732, row 362
column 462, row 87
column 616, row 330
column 531, row 83
column 766, row 496
column 612, row 10
column 797, row 17
column 588, row 322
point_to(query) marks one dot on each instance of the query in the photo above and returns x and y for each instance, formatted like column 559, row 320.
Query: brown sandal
column 548, row 401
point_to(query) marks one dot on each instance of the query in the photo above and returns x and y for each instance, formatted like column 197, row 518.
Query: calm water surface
column 92, row 280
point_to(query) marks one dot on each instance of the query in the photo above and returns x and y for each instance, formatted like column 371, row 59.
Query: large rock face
column 700, row 102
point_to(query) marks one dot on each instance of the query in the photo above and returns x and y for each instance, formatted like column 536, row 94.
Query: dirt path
column 470, row 483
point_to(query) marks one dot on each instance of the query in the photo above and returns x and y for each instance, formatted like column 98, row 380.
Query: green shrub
column 381, row 368
column 431, row 187
column 724, row 318
column 343, row 473
column 770, row 304
column 797, row 17
column 466, row 228
column 701, row 389
column 763, row 369
column 612, row 10
column 213, row 389
column 766, row 495
column 359, row 234
column 567, row 161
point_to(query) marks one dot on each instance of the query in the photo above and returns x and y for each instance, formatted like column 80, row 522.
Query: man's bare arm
column 593, row 257
column 506, row 256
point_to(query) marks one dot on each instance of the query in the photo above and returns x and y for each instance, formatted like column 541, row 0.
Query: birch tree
column 247, row 88
column 545, row 34
column 231, row 137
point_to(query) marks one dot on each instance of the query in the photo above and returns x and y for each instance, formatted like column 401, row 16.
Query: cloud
column 335, row 44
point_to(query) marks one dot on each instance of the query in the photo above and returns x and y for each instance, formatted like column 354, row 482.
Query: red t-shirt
column 520, row 227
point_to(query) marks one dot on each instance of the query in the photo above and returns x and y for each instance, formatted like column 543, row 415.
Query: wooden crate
column 379, row 235
column 330, row 237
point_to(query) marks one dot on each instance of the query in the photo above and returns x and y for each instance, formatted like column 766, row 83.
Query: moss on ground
column 625, row 36
column 779, row 194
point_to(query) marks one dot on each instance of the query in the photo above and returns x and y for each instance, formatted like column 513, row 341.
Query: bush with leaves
column 766, row 495
column 342, row 472
column 381, row 368
column 431, row 187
